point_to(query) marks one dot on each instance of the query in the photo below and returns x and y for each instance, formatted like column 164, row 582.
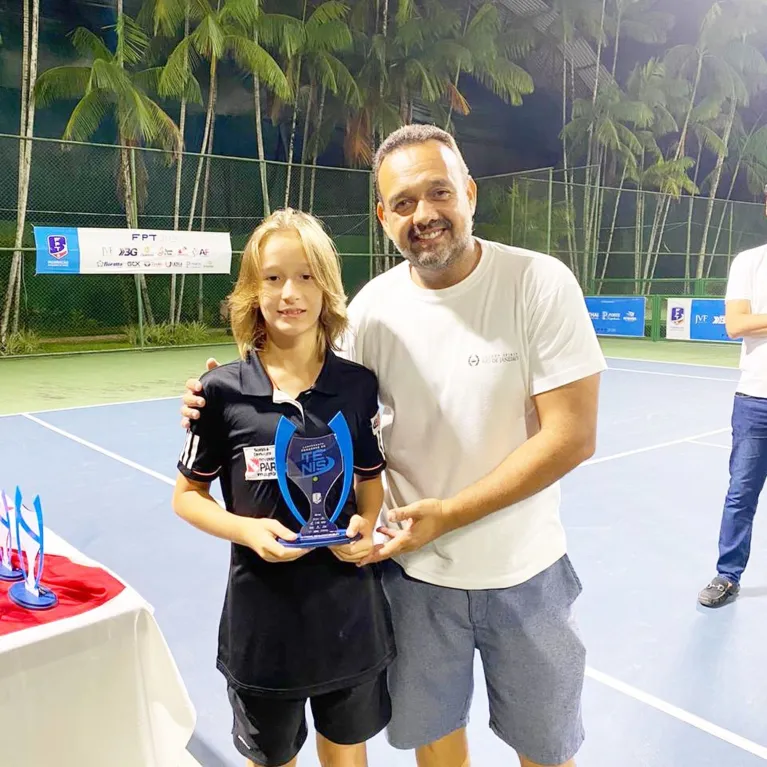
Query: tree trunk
column 316, row 152
column 177, row 195
column 295, row 120
column 203, row 214
column 661, row 211
column 260, row 145
column 205, row 148
column 31, row 25
column 612, row 226
column 292, row 143
column 715, row 187
column 307, row 121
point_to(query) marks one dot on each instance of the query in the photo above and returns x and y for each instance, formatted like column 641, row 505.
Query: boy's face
column 290, row 299
column 428, row 204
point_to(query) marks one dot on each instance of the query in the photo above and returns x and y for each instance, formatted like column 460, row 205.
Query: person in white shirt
column 488, row 368
column 746, row 318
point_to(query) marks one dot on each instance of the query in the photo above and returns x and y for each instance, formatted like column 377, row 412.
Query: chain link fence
column 75, row 184
column 617, row 241
column 625, row 241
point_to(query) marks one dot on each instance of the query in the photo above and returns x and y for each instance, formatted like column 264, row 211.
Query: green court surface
column 43, row 383
column 46, row 383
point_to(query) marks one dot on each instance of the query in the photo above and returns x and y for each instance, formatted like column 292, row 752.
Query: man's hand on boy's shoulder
column 191, row 401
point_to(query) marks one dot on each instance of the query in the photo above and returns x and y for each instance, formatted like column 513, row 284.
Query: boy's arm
column 193, row 502
column 370, row 495
column 201, row 461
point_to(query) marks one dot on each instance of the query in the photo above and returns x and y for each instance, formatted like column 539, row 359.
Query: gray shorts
column 533, row 660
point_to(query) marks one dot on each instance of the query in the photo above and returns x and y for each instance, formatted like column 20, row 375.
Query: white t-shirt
column 457, row 369
column 748, row 281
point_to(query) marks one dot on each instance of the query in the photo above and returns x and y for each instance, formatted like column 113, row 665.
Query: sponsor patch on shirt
column 259, row 463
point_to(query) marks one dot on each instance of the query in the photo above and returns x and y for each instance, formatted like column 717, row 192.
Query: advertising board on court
column 696, row 319
column 617, row 315
column 83, row 250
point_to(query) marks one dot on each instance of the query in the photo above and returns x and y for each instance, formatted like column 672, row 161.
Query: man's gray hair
column 411, row 135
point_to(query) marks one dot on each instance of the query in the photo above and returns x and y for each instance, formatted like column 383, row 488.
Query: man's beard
column 441, row 255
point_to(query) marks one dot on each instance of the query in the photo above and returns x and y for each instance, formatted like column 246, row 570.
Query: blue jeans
column 748, row 471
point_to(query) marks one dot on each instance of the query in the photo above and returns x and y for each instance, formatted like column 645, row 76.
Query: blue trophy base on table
column 24, row 598
column 10, row 574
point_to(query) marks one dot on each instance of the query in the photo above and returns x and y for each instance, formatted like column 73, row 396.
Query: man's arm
column 567, row 437
column 741, row 322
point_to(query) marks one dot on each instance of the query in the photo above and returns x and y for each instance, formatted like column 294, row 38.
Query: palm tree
column 165, row 18
column 713, row 66
column 607, row 127
column 112, row 84
column 31, row 25
column 223, row 30
column 745, row 76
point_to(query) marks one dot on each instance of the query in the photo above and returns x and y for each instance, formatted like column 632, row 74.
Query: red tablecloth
column 78, row 588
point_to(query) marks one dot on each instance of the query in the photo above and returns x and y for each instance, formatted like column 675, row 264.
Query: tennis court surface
column 669, row 683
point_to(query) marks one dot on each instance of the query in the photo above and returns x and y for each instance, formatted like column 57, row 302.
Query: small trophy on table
column 314, row 465
column 7, row 527
column 29, row 593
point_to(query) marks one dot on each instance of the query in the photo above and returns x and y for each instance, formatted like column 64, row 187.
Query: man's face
column 428, row 204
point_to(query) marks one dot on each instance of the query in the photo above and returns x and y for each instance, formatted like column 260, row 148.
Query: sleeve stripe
column 195, row 445
column 185, row 453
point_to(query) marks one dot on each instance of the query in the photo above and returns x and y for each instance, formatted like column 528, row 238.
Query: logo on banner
column 677, row 315
column 57, row 246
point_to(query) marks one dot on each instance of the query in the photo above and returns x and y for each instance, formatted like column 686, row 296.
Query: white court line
column 710, row 444
column 638, row 450
column 86, row 407
column 671, row 362
column 673, row 375
column 598, row 676
column 678, row 713
column 98, row 449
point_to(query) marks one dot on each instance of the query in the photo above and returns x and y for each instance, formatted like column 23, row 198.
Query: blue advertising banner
column 707, row 320
column 617, row 316
column 58, row 250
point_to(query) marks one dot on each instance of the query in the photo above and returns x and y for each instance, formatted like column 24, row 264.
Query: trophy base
column 10, row 574
column 43, row 601
column 315, row 541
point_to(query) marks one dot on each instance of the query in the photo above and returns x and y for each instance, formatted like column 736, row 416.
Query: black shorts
column 271, row 731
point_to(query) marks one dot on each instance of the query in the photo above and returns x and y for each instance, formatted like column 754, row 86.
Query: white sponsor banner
column 154, row 251
column 82, row 250
column 678, row 312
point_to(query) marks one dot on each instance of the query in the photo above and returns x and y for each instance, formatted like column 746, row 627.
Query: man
column 746, row 318
column 488, row 368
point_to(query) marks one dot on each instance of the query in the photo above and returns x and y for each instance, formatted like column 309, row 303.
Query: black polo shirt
column 316, row 624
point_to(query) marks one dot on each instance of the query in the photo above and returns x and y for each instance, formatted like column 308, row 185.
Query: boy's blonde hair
column 247, row 321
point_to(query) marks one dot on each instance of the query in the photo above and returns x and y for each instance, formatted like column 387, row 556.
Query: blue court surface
column 669, row 684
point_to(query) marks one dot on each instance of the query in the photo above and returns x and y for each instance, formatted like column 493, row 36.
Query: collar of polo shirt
column 254, row 380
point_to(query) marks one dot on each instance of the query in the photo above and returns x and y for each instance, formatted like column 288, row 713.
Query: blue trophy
column 7, row 571
column 314, row 465
column 30, row 593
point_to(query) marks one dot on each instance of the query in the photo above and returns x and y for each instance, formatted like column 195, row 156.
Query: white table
column 99, row 689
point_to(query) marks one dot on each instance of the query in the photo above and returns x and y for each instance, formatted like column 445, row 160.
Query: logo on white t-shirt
column 500, row 358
